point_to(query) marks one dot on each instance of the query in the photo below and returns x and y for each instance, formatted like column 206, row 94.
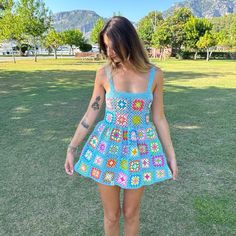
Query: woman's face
column 110, row 52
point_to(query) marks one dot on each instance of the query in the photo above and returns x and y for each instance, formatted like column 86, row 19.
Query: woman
column 125, row 149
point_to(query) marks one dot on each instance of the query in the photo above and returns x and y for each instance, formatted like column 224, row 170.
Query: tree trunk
column 161, row 53
column 13, row 55
column 72, row 50
column 210, row 54
column 35, row 53
column 195, row 56
column 207, row 54
column 55, row 53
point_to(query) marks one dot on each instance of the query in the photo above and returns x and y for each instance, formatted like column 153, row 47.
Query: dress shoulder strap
column 151, row 78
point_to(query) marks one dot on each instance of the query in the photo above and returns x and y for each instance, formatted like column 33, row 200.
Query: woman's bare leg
column 110, row 196
column 131, row 210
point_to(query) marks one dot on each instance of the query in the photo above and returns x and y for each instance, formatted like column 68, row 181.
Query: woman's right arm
column 88, row 119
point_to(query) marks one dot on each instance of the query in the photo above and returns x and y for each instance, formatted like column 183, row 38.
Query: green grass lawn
column 40, row 107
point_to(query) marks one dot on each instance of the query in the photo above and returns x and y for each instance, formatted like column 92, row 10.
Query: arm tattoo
column 84, row 124
column 95, row 105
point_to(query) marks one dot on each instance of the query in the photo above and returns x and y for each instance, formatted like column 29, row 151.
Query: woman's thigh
column 132, row 200
column 110, row 197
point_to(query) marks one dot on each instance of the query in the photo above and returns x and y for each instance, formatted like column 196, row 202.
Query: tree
column 96, row 30
column 72, row 38
column 11, row 28
column 53, row 39
column 161, row 38
column 206, row 42
column 195, row 28
column 147, row 26
column 176, row 24
column 36, row 20
column 225, row 27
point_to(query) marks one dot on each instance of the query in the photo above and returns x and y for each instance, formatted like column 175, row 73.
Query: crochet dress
column 123, row 148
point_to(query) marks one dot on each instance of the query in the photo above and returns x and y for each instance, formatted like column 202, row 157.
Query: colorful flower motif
column 150, row 133
column 135, row 180
column 124, row 164
column 88, row 155
column 125, row 150
column 98, row 160
column 160, row 173
column 121, row 104
column 138, row 104
column 136, row 120
column 158, row 160
column 147, row 118
column 141, row 134
column 147, row 176
column 125, row 135
column 95, row 173
column 93, row 141
column 134, row 151
column 133, row 135
column 102, row 147
column 109, row 103
column 113, row 149
column 101, row 128
column 111, row 163
column 122, row 179
column 109, row 117
column 108, row 177
column 116, row 135
column 143, row 149
column 145, row 163
column 84, row 167
column 154, row 147
column 134, row 166
column 122, row 119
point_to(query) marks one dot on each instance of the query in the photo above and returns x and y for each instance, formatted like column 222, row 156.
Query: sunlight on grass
column 187, row 126
column 27, row 131
column 21, row 109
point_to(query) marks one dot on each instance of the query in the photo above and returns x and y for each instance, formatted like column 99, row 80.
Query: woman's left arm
column 161, row 124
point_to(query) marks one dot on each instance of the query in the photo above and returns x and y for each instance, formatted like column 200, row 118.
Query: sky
column 134, row 10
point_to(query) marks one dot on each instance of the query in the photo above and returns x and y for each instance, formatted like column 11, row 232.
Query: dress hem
column 117, row 184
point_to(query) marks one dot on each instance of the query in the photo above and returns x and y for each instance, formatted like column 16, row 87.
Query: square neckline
column 112, row 86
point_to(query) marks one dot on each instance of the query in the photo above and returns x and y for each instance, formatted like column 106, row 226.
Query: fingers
column 174, row 174
column 69, row 168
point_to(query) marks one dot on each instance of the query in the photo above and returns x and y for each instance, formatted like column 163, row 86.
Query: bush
column 85, row 47
column 202, row 55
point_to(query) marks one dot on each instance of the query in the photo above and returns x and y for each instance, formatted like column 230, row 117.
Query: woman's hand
column 173, row 167
column 69, row 163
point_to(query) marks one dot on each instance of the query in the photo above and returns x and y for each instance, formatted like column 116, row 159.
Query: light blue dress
column 124, row 148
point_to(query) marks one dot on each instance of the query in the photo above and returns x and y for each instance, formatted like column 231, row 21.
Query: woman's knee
column 130, row 213
column 112, row 217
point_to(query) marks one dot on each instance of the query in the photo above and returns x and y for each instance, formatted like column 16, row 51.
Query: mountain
column 206, row 8
column 83, row 20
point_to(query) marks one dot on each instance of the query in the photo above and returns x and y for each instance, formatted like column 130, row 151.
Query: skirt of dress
column 129, row 157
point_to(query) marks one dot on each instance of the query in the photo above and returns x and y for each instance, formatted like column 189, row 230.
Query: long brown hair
column 125, row 43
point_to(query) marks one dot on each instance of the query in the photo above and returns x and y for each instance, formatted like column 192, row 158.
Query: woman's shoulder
column 102, row 74
column 158, row 76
